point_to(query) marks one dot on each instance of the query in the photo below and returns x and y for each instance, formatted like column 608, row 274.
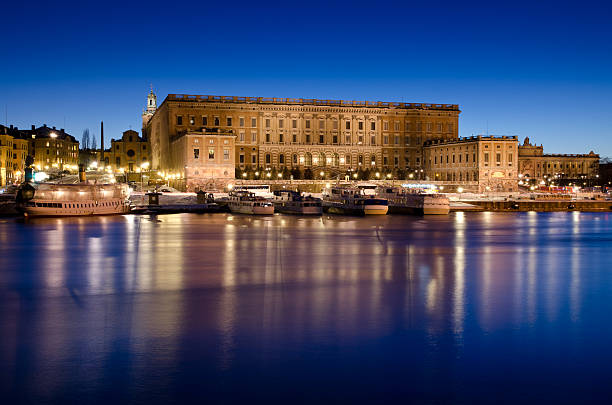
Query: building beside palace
column 203, row 159
column 323, row 135
column 535, row 164
column 129, row 154
column 490, row 163
column 51, row 149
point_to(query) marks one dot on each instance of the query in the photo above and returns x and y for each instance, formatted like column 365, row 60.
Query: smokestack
column 102, row 141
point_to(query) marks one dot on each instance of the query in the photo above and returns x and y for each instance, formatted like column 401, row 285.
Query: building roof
column 309, row 101
column 467, row 139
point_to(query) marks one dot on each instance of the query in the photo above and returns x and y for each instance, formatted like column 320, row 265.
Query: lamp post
column 144, row 166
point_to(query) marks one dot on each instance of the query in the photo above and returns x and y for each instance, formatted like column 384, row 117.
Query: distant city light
column 40, row 176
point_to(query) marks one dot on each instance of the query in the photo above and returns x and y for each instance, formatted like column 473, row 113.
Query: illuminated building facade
column 334, row 136
column 129, row 154
column 563, row 168
column 490, row 163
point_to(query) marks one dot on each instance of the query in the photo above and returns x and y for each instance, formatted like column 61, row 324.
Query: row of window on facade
column 294, row 138
column 216, row 121
column 458, row 159
column 211, row 154
column 322, row 160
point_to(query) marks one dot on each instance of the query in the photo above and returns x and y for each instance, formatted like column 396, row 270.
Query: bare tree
column 94, row 144
column 85, row 139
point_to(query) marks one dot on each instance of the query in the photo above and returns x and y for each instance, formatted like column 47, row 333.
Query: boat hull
column 251, row 210
column 400, row 209
column 76, row 210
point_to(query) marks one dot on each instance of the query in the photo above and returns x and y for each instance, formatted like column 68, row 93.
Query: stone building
column 128, row 154
column 15, row 146
column 490, row 163
column 535, row 164
column 202, row 159
column 333, row 136
column 52, row 148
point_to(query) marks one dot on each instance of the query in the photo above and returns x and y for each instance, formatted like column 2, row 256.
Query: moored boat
column 82, row 199
column 244, row 202
column 352, row 201
column 414, row 201
column 292, row 202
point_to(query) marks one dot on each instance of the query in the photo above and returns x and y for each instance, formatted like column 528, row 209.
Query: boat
column 81, row 199
column 348, row 200
column 292, row 202
column 8, row 204
column 260, row 190
column 245, row 202
column 414, row 201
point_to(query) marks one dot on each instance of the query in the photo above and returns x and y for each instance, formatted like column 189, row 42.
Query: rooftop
column 309, row 101
column 467, row 139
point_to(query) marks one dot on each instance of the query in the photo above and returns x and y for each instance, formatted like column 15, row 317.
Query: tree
column 85, row 139
column 94, row 144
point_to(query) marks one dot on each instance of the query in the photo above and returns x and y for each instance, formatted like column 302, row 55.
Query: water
column 220, row 308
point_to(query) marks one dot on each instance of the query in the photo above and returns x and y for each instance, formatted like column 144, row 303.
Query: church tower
column 149, row 110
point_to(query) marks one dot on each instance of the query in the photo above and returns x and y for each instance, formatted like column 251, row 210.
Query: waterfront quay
column 223, row 308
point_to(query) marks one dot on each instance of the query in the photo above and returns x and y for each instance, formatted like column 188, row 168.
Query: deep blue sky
column 537, row 69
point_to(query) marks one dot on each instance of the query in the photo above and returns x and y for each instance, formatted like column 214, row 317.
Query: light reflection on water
column 242, row 307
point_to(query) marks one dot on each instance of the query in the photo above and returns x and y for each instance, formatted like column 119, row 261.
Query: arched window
column 360, row 160
column 373, row 160
column 308, row 159
column 268, row 159
column 322, row 160
column 336, row 160
column 281, row 159
column 294, row 159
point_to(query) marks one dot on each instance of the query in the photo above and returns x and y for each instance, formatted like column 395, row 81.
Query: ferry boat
column 352, row 201
column 244, row 202
column 292, row 202
column 82, row 199
column 260, row 190
column 414, row 201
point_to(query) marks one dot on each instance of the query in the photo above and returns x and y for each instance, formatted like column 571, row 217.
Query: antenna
column 6, row 115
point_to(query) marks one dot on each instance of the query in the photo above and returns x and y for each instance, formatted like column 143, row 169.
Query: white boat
column 244, row 202
column 82, row 199
column 347, row 200
column 292, row 202
column 260, row 190
column 414, row 201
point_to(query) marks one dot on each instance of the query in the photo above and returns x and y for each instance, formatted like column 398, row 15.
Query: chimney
column 33, row 127
column 62, row 130
column 102, row 141
column 11, row 126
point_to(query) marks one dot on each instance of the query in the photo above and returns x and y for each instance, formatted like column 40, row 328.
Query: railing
column 311, row 101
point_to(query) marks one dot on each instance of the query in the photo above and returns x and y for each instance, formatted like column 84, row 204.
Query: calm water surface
column 221, row 308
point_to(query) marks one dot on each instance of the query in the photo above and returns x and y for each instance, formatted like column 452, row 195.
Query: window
column 498, row 158
column 253, row 159
column 335, row 139
column 294, row 159
column 347, row 139
column 241, row 158
column 385, row 125
column 267, row 138
column 281, row 123
column 386, row 139
column 429, row 126
column 321, row 138
column 294, row 138
column 347, row 160
column 281, row 138
column 439, row 127
column 373, row 140
column 242, row 137
column 253, row 122
column 321, row 124
column 408, row 126
column 308, row 159
column 397, row 139
column 281, row 159
column 229, row 121
column 211, row 154
column 293, row 124
column 216, row 121
column 307, row 138
column 396, row 125
column 486, row 157
column 335, row 124
column 118, row 161
column 510, row 158
column 179, row 120
column 226, row 153
column 307, row 124
column 196, row 153
column 241, row 121
column 360, row 125
column 449, row 128
column 267, row 122
column 373, row 126
column 348, row 125
column 253, row 136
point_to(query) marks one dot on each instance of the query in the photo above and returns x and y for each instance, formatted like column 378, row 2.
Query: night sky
column 536, row 69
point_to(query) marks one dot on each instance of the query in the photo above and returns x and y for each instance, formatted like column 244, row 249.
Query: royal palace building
column 330, row 136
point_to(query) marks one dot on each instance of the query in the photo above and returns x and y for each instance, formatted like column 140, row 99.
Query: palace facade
column 489, row 162
column 535, row 164
column 333, row 136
